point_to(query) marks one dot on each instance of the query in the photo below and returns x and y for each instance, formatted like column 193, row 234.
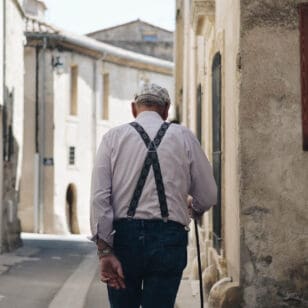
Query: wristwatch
column 102, row 252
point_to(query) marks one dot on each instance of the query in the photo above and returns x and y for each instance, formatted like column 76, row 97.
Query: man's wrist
column 104, row 252
column 103, row 249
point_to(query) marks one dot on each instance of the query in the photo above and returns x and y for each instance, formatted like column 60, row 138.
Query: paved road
column 51, row 271
column 58, row 272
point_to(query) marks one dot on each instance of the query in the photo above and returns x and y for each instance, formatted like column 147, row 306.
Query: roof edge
column 128, row 23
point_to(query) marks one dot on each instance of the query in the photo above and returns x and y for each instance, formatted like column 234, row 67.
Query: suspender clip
column 165, row 219
column 130, row 217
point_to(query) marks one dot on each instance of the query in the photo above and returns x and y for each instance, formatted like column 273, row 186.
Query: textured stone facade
column 12, row 104
column 262, row 259
column 140, row 37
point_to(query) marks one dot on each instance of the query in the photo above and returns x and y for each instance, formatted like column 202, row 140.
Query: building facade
column 11, row 115
column 139, row 36
column 239, row 69
column 76, row 88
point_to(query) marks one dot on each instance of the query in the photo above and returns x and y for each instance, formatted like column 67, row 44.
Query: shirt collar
column 148, row 115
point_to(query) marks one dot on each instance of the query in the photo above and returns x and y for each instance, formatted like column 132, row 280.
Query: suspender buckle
column 130, row 217
column 165, row 219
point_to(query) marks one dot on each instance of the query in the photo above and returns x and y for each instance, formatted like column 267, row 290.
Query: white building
column 76, row 88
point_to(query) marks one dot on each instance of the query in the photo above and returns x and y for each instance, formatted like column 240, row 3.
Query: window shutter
column 303, row 30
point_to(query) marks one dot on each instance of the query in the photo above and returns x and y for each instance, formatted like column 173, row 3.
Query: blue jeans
column 153, row 256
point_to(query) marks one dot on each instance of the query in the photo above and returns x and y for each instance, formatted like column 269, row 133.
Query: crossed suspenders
column 150, row 160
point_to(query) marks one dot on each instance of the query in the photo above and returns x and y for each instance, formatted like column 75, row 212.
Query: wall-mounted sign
column 48, row 161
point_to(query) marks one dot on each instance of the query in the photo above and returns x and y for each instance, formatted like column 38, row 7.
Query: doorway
column 71, row 209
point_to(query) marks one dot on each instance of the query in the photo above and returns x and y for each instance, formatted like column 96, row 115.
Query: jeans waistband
column 147, row 223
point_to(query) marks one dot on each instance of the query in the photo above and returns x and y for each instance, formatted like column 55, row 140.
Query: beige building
column 11, row 119
column 76, row 88
column 139, row 36
column 238, row 77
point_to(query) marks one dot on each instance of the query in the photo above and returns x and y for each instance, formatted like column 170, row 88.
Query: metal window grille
column 71, row 156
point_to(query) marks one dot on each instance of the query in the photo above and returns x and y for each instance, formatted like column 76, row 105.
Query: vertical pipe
column 42, row 128
column 36, row 168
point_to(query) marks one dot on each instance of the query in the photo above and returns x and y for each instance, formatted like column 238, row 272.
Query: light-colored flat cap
column 152, row 94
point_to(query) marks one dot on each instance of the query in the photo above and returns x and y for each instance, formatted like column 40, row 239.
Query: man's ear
column 166, row 112
column 134, row 109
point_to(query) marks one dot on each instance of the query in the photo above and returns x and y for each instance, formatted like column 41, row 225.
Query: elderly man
column 143, row 174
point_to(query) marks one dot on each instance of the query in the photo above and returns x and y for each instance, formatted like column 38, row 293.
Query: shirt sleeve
column 203, row 187
column 101, row 218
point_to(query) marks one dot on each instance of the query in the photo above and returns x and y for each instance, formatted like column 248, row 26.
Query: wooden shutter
column 303, row 29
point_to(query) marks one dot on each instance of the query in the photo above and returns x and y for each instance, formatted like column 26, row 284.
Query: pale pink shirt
column 120, row 157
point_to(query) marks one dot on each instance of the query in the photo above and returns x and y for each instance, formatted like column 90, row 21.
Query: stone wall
column 12, row 116
column 273, row 166
column 132, row 31
column 130, row 36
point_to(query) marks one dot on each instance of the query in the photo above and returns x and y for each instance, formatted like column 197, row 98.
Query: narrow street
column 52, row 271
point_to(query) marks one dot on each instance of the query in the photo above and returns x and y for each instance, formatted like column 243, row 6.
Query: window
column 150, row 37
column 74, row 90
column 303, row 25
column 199, row 113
column 105, row 97
column 71, row 156
column 216, row 122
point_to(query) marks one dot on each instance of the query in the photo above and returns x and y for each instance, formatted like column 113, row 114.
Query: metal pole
column 42, row 112
column 36, row 199
column 199, row 263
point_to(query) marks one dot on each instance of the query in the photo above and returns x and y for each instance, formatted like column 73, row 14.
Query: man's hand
column 192, row 213
column 111, row 272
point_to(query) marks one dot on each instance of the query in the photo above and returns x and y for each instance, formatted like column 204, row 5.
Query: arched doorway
column 216, row 107
column 71, row 209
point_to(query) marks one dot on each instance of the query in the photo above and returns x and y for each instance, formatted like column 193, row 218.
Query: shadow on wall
column 11, row 226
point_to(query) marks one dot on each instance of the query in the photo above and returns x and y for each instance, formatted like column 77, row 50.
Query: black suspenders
column 150, row 160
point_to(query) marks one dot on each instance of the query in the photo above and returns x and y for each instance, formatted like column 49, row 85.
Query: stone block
column 210, row 277
column 225, row 294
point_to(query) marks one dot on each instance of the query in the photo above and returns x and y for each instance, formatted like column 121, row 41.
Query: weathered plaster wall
column 1, row 114
column 47, row 126
column 13, row 102
column 1, row 53
column 273, row 169
column 25, row 210
column 226, row 41
column 28, row 190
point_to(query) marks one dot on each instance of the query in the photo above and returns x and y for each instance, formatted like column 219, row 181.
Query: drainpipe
column 37, row 150
column 1, row 123
column 41, row 143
